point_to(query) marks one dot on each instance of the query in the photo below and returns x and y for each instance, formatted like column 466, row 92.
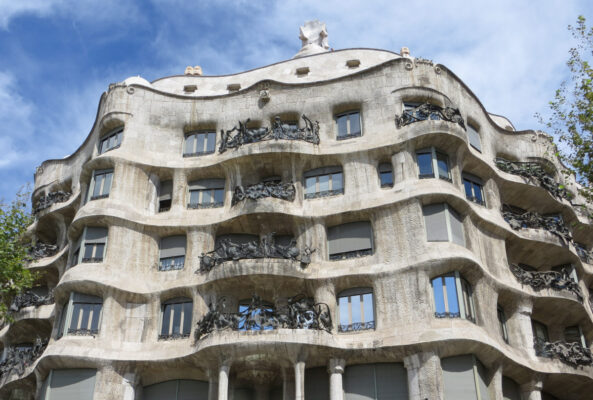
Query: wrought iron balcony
column 300, row 312
column 227, row 250
column 171, row 263
column 83, row 332
column 30, row 298
column 279, row 130
column 518, row 218
column 573, row 354
column 42, row 250
column 427, row 111
column 197, row 206
column 278, row 190
column 18, row 358
column 357, row 326
column 174, row 336
column 534, row 174
column 51, row 198
column 351, row 254
column 547, row 280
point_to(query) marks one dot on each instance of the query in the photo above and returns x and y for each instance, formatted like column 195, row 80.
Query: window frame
column 348, row 134
column 175, row 265
column 434, row 158
column 213, row 186
column 582, row 341
column 317, row 173
column 165, row 196
column 474, row 131
column 68, row 311
column 100, row 172
column 463, row 291
column 355, row 326
column 474, row 181
column 351, row 253
column 80, row 248
column 117, row 133
column 449, row 213
column 502, row 321
column 382, row 168
column 207, row 134
column 171, row 334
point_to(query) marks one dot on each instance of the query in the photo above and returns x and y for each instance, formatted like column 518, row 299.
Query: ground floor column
column 299, row 380
column 425, row 377
column 336, row 369
column 532, row 390
column 223, row 381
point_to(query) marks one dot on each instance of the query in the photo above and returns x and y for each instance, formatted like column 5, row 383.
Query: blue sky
column 58, row 56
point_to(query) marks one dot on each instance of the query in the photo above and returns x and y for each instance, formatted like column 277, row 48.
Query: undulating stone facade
column 342, row 225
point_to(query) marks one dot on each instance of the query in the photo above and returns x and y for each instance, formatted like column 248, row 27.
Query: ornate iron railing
column 278, row 190
column 300, row 312
column 227, row 250
column 18, row 358
column 351, row 254
column 518, row 218
column 447, row 314
column 41, row 250
column 197, row 206
column 171, row 263
column 547, row 280
column 173, row 336
column 573, row 354
column 29, row 298
column 427, row 111
column 244, row 135
column 535, row 174
column 324, row 193
column 51, row 198
column 356, row 326
column 82, row 332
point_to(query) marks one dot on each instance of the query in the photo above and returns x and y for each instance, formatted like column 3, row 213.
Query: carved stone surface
column 266, row 248
column 30, row 298
column 300, row 312
column 278, row 190
column 584, row 255
column 19, row 358
column 573, row 354
column 428, row 111
column 547, row 280
column 314, row 38
column 533, row 173
column 519, row 218
column 41, row 250
column 244, row 135
column 51, row 198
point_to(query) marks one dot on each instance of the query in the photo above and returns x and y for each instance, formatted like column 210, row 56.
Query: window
column 354, row 239
column 81, row 315
column 453, row 297
column 464, row 378
column 443, row 224
column 574, row 334
column 180, row 389
column 356, row 310
column 207, row 193
column 473, row 188
column 502, row 321
column 111, row 141
column 199, row 143
column 382, row 381
column 176, row 318
column 165, row 195
column 322, row 182
column 386, row 175
column 253, row 317
column 172, row 255
column 568, row 270
column 69, row 384
column 540, row 337
column 92, row 242
column 431, row 160
column 348, row 125
column 474, row 137
column 101, row 184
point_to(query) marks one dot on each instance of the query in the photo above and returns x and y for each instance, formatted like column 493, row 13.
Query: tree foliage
column 571, row 120
column 14, row 277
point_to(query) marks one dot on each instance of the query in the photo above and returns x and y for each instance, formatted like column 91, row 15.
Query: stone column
column 425, row 378
column 178, row 201
column 223, row 380
column 495, row 387
column 335, row 370
column 520, row 330
column 532, row 390
column 299, row 380
column 128, row 383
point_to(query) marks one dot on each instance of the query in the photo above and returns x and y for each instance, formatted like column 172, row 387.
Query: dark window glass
column 425, row 165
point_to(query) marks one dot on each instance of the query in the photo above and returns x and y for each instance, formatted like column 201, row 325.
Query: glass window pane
column 99, row 249
column 104, row 146
column 451, row 295
column 98, row 182
column 425, row 164
column 96, row 314
column 86, row 313
column 323, row 183
column 201, row 139
column 211, row 142
column 118, row 137
column 76, row 310
column 344, row 314
column 107, row 183
column 219, row 196
column 439, row 298
column 342, row 125
column 443, row 165
column 310, row 185
column 467, row 300
column 176, row 317
column 355, row 124
column 386, row 179
column 468, row 189
column 187, row 315
column 206, row 196
column 337, row 182
column 355, row 301
column 189, row 144
column 88, row 251
column 194, row 196
column 478, row 192
column 367, row 299
column 166, row 319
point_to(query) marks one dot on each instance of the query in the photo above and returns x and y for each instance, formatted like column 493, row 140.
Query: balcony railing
column 535, row 174
column 547, row 280
column 278, row 190
column 18, row 358
column 300, row 312
column 518, row 218
column 356, row 326
column 427, row 111
column 29, row 298
column 51, row 198
column 573, row 354
column 42, row 250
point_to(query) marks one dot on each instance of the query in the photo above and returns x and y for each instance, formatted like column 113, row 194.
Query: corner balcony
column 573, row 354
column 547, row 280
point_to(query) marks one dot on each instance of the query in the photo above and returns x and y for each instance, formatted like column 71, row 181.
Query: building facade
column 342, row 225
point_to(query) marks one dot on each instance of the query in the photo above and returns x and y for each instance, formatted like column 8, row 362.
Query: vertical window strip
column 199, row 143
